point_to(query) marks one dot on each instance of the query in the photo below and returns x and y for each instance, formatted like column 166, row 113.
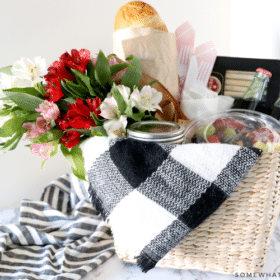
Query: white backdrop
column 50, row 27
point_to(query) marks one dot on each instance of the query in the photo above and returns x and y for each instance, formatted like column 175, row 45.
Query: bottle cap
column 266, row 72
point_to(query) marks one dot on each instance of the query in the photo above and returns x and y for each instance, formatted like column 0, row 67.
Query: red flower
column 77, row 60
column 58, row 70
column 54, row 90
column 62, row 124
column 78, row 117
column 93, row 105
column 70, row 139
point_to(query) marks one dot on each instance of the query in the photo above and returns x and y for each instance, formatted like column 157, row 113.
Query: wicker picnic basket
column 236, row 237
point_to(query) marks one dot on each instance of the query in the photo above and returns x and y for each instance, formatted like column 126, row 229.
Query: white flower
column 9, row 81
column 146, row 99
column 116, row 127
column 124, row 91
column 109, row 108
column 27, row 69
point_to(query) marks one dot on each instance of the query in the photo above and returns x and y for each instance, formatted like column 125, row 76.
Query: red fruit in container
column 213, row 139
column 232, row 123
column 243, row 130
column 220, row 124
column 262, row 134
column 267, row 134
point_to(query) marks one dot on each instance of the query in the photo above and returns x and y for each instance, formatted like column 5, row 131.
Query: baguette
column 138, row 14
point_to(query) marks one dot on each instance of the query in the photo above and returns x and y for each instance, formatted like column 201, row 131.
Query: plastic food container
column 238, row 127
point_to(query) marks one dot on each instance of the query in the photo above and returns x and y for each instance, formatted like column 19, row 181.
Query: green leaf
column 5, row 112
column 19, row 113
column 11, row 126
column 48, row 136
column 133, row 74
column 112, row 54
column 12, row 143
column 77, row 90
column 152, row 118
column 53, row 124
column 90, row 67
column 63, row 104
column 2, row 132
column 40, row 88
column 25, row 101
column 28, row 90
column 33, row 117
column 102, row 70
column 85, row 79
column 55, row 150
column 137, row 116
column 151, row 83
column 7, row 70
column 98, row 131
column 75, row 160
column 82, row 130
column 43, row 164
column 128, row 111
column 119, row 98
column 7, row 106
column 96, row 120
column 118, row 67
column 65, row 90
column 69, row 100
column 90, row 72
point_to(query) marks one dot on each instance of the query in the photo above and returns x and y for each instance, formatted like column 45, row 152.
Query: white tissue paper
column 200, row 101
column 155, row 48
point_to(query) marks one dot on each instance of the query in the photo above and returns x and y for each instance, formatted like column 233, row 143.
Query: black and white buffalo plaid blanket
column 155, row 194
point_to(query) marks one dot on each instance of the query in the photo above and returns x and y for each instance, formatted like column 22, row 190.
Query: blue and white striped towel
column 61, row 236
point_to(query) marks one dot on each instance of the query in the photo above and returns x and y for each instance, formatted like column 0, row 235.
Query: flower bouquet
column 77, row 97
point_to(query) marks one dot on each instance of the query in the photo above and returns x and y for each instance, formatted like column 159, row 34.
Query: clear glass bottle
column 256, row 92
column 276, row 109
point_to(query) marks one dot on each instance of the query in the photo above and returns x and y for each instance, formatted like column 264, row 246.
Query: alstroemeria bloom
column 116, row 127
column 79, row 115
column 109, row 108
column 48, row 110
column 54, row 89
column 43, row 150
column 70, row 139
column 9, row 81
column 124, row 91
column 77, row 60
column 27, row 69
column 146, row 99
column 36, row 129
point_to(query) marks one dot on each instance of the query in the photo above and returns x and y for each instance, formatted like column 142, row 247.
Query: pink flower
column 42, row 150
column 36, row 129
column 49, row 110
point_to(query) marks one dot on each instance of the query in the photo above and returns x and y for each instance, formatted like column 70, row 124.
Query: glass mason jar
column 157, row 131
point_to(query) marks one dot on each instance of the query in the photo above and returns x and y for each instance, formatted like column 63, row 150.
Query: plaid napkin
column 154, row 195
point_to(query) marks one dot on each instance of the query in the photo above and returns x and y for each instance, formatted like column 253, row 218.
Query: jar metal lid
column 177, row 139
column 156, row 130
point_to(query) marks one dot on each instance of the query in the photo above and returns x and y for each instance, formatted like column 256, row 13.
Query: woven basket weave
column 236, row 237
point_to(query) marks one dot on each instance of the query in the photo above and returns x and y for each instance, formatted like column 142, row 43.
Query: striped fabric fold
column 62, row 236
